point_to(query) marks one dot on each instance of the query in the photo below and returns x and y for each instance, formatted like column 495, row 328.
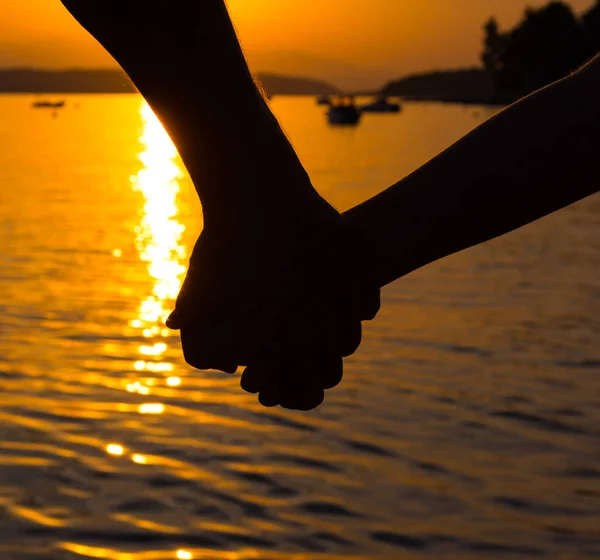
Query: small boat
column 344, row 114
column 343, row 111
column 48, row 104
column 324, row 100
column 381, row 105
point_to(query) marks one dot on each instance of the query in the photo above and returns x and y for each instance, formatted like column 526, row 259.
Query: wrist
column 360, row 256
column 256, row 173
column 364, row 254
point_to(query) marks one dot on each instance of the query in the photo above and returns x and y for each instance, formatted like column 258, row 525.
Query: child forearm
column 533, row 158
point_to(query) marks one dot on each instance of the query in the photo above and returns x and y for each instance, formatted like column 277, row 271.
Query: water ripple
column 467, row 425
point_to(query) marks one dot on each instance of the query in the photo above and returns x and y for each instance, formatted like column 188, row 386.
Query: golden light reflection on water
column 211, row 462
column 139, row 459
column 174, row 381
column 158, row 241
column 137, row 387
column 151, row 408
column 115, row 449
column 110, row 554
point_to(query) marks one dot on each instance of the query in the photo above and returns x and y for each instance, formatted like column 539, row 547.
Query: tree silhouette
column 494, row 44
column 591, row 24
column 545, row 46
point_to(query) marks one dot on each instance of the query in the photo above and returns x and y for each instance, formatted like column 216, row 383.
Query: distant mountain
column 470, row 85
column 276, row 84
column 343, row 74
column 30, row 80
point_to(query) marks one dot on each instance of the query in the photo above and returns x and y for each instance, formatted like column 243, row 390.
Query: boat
column 343, row 111
column 381, row 105
column 324, row 100
column 48, row 104
column 344, row 114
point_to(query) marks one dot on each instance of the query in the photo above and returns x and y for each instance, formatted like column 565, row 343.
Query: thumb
column 174, row 320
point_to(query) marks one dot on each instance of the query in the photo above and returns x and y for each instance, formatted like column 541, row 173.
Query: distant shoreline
column 457, row 101
column 472, row 86
column 78, row 81
column 467, row 86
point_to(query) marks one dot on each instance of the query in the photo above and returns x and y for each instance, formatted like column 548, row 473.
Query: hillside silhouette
column 277, row 84
column 470, row 85
column 546, row 45
column 32, row 80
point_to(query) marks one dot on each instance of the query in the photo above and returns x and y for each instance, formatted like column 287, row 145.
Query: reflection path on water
column 158, row 239
column 466, row 427
column 159, row 243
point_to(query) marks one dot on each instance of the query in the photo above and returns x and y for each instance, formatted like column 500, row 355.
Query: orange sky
column 354, row 43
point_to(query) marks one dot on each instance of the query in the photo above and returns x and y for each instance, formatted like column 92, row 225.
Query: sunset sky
column 353, row 43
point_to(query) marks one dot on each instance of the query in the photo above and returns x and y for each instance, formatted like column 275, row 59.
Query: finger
column 193, row 315
column 199, row 352
column 301, row 384
column 303, row 398
column 294, row 383
column 256, row 338
column 174, row 321
column 310, row 399
column 327, row 348
column 254, row 378
column 295, row 397
column 331, row 372
column 370, row 303
column 269, row 395
column 350, row 336
column 215, row 342
column 193, row 351
column 226, row 336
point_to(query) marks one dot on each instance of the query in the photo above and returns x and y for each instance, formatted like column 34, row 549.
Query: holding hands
column 278, row 281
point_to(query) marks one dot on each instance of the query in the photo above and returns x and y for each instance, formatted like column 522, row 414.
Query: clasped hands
column 276, row 282
column 279, row 287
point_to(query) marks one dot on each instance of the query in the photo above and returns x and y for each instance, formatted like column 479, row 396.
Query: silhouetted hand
column 276, row 293
column 262, row 287
column 240, row 274
column 331, row 294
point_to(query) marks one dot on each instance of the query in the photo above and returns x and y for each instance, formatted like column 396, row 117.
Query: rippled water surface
column 467, row 426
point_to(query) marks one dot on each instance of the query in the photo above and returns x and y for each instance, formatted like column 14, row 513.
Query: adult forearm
column 533, row 158
column 185, row 59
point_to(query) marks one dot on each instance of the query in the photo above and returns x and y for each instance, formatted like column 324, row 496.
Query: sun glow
column 158, row 241
column 115, row 449
column 159, row 233
column 151, row 408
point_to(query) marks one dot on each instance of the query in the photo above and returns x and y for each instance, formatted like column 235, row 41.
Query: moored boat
column 381, row 105
column 48, row 104
column 343, row 111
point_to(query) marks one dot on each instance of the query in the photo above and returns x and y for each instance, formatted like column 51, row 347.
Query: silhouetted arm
column 265, row 260
column 535, row 157
column 185, row 59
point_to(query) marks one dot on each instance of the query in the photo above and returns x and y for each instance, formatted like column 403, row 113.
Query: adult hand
column 283, row 294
